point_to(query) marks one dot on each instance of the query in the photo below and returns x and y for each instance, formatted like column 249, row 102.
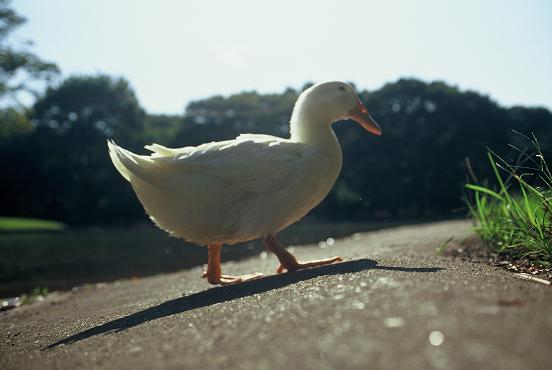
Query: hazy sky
column 176, row 51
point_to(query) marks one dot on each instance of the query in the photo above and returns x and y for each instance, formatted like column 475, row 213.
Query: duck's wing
column 163, row 151
column 256, row 163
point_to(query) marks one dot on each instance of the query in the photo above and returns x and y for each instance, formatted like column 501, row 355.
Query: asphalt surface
column 393, row 304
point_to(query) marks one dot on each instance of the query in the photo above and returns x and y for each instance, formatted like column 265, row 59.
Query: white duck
column 248, row 188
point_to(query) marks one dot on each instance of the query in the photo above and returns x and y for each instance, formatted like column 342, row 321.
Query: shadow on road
column 228, row 293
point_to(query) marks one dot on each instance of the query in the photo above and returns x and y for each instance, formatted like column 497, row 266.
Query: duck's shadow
column 228, row 293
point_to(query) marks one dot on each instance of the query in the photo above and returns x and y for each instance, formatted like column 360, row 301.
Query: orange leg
column 214, row 272
column 288, row 261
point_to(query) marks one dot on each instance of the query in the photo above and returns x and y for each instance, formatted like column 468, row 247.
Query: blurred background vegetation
column 55, row 164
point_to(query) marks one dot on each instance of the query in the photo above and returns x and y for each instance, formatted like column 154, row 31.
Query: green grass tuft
column 15, row 224
column 515, row 218
column 38, row 293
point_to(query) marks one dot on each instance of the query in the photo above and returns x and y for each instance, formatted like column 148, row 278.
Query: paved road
column 393, row 304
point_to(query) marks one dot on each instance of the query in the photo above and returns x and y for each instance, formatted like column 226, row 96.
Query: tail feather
column 129, row 164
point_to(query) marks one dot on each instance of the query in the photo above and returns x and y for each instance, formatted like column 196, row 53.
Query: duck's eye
column 342, row 88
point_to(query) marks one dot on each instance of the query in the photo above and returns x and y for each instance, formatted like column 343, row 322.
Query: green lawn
column 16, row 224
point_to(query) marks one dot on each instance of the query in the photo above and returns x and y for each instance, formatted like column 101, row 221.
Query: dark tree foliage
column 419, row 166
column 59, row 168
column 161, row 128
column 419, row 162
column 219, row 118
column 13, row 122
column 18, row 65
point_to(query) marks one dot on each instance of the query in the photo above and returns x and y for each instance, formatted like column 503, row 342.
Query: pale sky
column 175, row 51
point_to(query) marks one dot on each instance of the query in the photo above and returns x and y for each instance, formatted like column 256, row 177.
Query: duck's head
column 328, row 102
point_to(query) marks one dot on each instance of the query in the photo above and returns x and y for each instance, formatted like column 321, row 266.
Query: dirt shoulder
column 392, row 304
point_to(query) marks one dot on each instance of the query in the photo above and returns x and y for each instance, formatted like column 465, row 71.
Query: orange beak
column 361, row 115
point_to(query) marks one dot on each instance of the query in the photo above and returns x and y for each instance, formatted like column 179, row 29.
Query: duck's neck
column 307, row 127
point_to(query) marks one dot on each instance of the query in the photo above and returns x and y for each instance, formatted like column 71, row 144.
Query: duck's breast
column 304, row 190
